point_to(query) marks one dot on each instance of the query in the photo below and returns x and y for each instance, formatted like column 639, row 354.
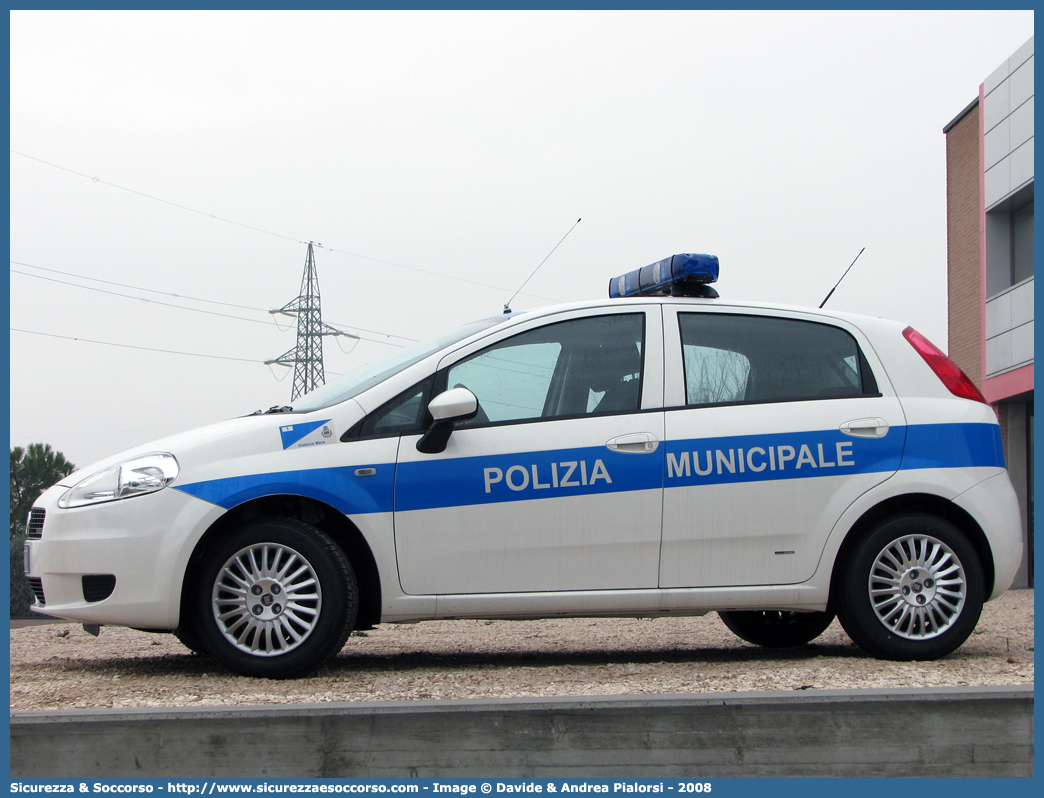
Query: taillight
column 945, row 369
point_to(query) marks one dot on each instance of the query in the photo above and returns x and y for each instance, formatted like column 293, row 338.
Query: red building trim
column 1010, row 383
column 982, row 233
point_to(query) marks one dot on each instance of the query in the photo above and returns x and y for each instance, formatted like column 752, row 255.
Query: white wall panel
column 998, row 315
column 996, row 78
column 998, row 354
column 1022, row 304
column 1020, row 171
column 1020, row 124
column 1022, row 55
column 996, row 106
column 998, row 182
column 1021, row 84
column 997, row 144
column 1022, row 345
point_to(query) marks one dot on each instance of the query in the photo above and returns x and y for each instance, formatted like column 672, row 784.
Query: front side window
column 754, row 359
column 405, row 414
column 567, row 369
column 367, row 376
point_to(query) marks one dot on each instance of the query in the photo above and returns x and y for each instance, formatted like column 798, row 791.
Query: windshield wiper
column 273, row 410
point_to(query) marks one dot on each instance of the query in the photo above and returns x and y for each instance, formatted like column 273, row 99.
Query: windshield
column 365, row 377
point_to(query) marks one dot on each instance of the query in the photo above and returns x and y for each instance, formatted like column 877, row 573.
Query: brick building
column 989, row 232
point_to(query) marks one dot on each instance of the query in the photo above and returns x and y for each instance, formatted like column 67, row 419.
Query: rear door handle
column 866, row 428
column 635, row 443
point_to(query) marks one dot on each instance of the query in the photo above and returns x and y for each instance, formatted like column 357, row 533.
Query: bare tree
column 714, row 375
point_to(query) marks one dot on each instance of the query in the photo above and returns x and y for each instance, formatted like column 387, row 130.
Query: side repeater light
column 678, row 275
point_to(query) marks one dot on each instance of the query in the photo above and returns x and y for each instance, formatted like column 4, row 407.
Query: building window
column 1022, row 244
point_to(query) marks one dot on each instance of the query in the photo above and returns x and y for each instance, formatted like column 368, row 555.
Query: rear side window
column 734, row 359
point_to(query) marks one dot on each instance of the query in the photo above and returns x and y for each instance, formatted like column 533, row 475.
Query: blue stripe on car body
column 491, row 479
column 338, row 487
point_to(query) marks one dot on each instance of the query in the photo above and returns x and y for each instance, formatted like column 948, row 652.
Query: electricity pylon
column 307, row 356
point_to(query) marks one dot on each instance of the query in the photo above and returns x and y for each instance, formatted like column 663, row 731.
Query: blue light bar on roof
column 678, row 275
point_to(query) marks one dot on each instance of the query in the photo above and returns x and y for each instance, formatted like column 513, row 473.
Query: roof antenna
column 832, row 290
column 507, row 305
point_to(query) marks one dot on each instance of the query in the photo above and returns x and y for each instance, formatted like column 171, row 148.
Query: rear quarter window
column 740, row 359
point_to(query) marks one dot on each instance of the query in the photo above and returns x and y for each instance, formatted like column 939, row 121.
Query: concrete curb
column 968, row 732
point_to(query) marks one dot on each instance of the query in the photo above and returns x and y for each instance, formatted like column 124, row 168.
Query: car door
column 778, row 424
column 556, row 484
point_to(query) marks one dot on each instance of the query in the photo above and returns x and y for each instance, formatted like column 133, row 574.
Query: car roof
column 694, row 302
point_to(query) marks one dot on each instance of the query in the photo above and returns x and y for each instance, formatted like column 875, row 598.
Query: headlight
column 144, row 474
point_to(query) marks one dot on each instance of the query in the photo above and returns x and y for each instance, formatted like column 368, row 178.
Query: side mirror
column 449, row 407
column 456, row 404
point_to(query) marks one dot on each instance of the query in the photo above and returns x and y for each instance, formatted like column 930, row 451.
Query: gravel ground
column 60, row 667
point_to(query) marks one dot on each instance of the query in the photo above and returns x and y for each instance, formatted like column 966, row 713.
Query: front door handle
column 635, row 443
column 866, row 428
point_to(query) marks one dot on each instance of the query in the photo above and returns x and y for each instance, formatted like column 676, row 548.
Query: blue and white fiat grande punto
column 662, row 452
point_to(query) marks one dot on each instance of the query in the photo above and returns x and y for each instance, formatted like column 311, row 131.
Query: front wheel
column 774, row 629
column 912, row 590
column 276, row 598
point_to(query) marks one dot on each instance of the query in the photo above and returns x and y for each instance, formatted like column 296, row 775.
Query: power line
column 267, row 232
column 94, row 179
column 147, row 349
column 180, row 296
column 142, row 299
column 135, row 287
column 436, row 274
column 131, row 346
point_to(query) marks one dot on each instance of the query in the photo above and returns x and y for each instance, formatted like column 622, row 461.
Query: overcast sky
column 438, row 157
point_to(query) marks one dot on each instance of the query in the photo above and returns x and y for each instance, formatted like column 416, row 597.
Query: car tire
column 913, row 589
column 277, row 599
column 773, row 629
column 190, row 640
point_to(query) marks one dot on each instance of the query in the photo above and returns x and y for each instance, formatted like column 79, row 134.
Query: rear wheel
column 276, row 598
column 774, row 629
column 912, row 590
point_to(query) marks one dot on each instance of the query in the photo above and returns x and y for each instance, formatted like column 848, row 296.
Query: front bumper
column 144, row 542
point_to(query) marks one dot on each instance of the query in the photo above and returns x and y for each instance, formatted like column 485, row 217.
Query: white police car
column 662, row 452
